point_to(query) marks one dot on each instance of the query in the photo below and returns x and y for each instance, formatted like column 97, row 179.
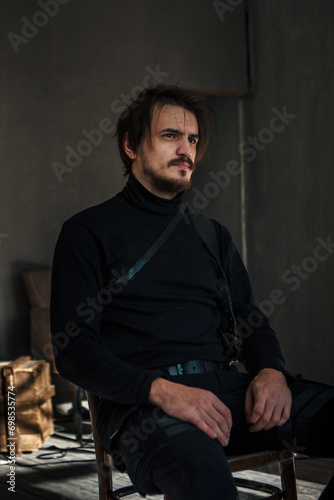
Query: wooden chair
column 244, row 462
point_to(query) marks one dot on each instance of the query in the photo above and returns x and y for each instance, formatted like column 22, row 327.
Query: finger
column 209, row 429
column 275, row 419
column 220, row 424
column 248, row 403
column 224, row 413
column 264, row 420
column 280, row 414
column 285, row 414
column 218, row 417
column 220, row 429
column 216, row 410
column 257, row 411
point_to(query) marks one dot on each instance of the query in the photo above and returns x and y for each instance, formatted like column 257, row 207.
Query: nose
column 184, row 147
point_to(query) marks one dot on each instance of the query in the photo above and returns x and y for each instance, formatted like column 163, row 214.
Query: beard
column 165, row 183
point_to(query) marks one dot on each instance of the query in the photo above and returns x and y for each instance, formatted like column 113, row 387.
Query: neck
column 135, row 194
column 153, row 188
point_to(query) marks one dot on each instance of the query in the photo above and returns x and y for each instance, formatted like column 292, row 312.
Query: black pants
column 164, row 454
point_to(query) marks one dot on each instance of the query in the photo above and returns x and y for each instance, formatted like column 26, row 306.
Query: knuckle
column 196, row 420
column 226, row 411
column 283, row 420
column 220, row 422
column 266, row 419
column 257, row 410
column 204, row 403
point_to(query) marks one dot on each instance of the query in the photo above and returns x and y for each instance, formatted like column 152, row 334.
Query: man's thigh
column 162, row 453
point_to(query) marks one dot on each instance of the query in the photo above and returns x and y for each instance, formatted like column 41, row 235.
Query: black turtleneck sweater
column 113, row 344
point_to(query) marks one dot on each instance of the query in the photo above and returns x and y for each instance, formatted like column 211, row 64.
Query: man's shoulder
column 96, row 215
column 220, row 229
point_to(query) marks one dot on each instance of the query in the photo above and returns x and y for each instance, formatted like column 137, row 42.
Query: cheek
column 166, row 153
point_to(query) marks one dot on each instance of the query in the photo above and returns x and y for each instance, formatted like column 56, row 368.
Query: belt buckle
column 179, row 369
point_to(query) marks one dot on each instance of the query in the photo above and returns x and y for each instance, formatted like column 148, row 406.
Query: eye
column 192, row 140
column 169, row 135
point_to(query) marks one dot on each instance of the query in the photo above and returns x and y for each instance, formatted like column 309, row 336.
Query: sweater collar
column 137, row 196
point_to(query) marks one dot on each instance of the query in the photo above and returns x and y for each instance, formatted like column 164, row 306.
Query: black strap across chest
column 130, row 274
column 227, row 330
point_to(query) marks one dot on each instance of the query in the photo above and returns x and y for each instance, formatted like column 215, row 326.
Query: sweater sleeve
column 77, row 280
column 261, row 348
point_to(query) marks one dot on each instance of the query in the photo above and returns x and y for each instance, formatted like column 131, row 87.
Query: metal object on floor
column 239, row 463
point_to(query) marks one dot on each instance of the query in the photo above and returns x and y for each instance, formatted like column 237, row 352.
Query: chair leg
column 288, row 479
column 78, row 412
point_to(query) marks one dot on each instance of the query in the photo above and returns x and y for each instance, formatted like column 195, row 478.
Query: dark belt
column 195, row 366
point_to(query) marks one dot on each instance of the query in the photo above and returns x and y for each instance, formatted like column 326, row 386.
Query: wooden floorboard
column 46, row 474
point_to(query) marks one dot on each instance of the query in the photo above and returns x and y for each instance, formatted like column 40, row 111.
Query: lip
column 182, row 166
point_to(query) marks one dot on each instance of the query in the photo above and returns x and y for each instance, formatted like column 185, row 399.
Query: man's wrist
column 274, row 372
column 158, row 387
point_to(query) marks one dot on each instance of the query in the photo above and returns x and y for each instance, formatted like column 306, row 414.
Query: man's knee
column 197, row 478
column 194, row 466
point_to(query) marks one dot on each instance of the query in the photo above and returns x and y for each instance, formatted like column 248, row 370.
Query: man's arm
column 261, row 348
column 197, row 406
column 77, row 280
column 268, row 398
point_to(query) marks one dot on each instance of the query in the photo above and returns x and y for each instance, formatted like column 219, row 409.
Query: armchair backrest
column 38, row 286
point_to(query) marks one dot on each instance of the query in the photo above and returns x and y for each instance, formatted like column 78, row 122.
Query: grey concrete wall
column 215, row 189
column 69, row 71
column 290, row 177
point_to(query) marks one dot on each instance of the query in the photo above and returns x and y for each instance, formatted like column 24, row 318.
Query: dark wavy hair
column 135, row 120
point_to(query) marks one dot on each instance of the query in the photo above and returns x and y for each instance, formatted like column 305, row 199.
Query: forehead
column 172, row 116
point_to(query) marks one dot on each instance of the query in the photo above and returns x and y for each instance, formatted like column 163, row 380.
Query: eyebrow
column 176, row 131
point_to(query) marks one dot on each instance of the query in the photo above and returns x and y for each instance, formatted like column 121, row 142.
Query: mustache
column 183, row 159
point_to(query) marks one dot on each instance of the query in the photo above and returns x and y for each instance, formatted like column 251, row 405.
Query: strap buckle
column 179, row 369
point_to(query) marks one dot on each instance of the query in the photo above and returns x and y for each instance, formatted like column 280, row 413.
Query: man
column 170, row 405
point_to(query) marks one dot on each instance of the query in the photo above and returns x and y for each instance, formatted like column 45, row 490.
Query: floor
column 63, row 469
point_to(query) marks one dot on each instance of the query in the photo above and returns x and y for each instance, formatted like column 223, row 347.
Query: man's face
column 165, row 162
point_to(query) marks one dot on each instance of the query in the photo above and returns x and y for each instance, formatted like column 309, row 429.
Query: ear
column 126, row 146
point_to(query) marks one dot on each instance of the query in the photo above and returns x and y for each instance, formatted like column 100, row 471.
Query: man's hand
column 268, row 400
column 197, row 406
